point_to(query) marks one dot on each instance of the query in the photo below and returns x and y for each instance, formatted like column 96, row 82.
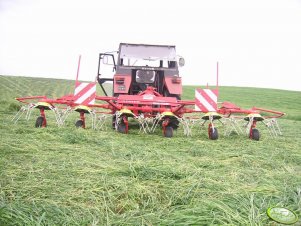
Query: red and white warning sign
column 206, row 100
column 85, row 93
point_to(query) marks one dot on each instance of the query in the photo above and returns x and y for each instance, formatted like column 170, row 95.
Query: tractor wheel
column 39, row 122
column 168, row 131
column 255, row 135
column 121, row 128
column 79, row 123
column 114, row 115
column 114, row 122
column 213, row 134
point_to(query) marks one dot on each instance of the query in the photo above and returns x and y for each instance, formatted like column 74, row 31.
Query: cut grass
column 67, row 176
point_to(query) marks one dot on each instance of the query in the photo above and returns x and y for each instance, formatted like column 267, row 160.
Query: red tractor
column 141, row 69
column 139, row 66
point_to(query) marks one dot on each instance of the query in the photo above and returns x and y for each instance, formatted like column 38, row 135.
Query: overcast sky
column 257, row 42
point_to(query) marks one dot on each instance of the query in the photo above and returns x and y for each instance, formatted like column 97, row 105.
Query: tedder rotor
column 146, row 87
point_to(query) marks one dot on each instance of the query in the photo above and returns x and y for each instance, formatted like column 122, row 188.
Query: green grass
column 63, row 176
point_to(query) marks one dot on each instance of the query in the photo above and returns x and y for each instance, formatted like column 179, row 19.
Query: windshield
column 142, row 62
column 147, row 53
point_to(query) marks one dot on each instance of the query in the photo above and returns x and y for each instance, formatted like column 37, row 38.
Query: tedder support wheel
column 168, row 131
column 79, row 123
column 121, row 128
column 213, row 134
column 255, row 135
column 39, row 122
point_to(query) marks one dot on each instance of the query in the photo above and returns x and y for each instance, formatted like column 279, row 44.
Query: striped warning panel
column 206, row 100
column 85, row 93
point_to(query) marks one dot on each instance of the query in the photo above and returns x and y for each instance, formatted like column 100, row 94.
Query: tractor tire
column 114, row 115
column 255, row 135
column 114, row 122
column 213, row 134
column 79, row 123
column 168, row 131
column 121, row 128
column 39, row 122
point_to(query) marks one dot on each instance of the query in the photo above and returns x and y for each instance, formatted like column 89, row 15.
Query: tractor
column 142, row 69
column 139, row 66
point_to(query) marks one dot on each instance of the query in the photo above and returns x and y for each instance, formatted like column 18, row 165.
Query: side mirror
column 181, row 61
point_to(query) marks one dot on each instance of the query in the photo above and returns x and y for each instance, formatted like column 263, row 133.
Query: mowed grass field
column 68, row 176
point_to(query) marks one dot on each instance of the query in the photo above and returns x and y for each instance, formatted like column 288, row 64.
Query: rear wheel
column 255, row 135
column 168, row 131
column 79, row 123
column 213, row 134
column 39, row 122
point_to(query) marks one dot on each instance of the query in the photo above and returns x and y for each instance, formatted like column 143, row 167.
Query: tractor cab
column 138, row 66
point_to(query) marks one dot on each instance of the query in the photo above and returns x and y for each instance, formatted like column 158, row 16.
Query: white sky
column 257, row 42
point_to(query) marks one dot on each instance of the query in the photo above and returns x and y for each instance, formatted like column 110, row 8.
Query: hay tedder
column 146, row 90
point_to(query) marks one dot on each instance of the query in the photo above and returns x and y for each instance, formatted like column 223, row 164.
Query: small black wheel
column 79, row 123
column 39, row 122
column 168, row 131
column 121, row 128
column 255, row 135
column 213, row 134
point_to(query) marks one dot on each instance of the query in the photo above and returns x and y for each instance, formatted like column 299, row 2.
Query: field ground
column 67, row 176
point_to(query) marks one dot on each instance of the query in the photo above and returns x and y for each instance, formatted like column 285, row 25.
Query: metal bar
column 277, row 113
column 78, row 67
column 82, row 117
column 217, row 75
